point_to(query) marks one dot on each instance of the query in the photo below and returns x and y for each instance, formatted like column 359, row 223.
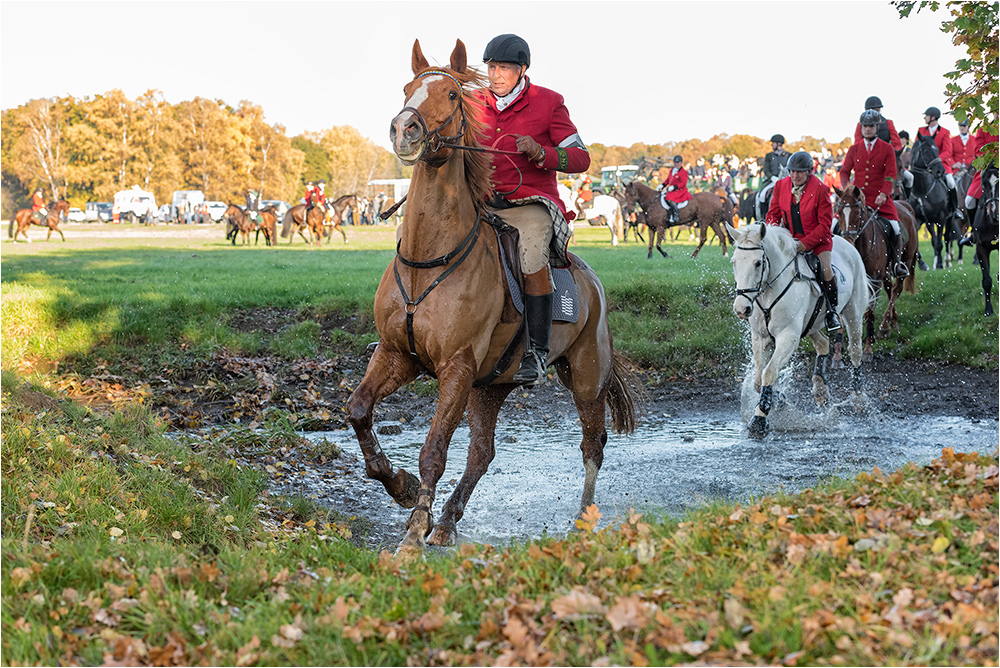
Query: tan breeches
column 534, row 224
column 824, row 260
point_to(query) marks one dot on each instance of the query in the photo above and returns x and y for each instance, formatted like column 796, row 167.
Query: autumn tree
column 272, row 166
column 972, row 85
column 36, row 153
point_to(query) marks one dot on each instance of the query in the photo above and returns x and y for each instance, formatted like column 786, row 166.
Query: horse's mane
column 478, row 166
column 780, row 239
column 343, row 197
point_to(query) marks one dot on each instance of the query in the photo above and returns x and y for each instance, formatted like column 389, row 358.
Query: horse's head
column 434, row 114
column 232, row 210
column 924, row 156
column 851, row 210
column 755, row 248
column 59, row 205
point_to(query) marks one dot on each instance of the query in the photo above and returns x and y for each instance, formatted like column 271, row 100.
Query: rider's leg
column 899, row 268
column 534, row 224
column 829, row 286
column 970, row 204
column 759, row 201
column 953, row 195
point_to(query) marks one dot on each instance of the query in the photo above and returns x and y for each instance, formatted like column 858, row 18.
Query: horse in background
column 985, row 231
column 777, row 293
column 860, row 226
column 929, row 199
column 442, row 308
column 335, row 214
column 25, row 218
column 268, row 226
column 238, row 224
column 295, row 221
column 704, row 209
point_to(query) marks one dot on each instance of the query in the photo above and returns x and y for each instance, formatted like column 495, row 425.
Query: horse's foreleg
column 983, row 253
column 784, row 346
column 483, row 409
column 455, row 378
column 660, row 234
column 702, row 238
column 595, row 437
column 342, row 232
column 649, row 255
column 387, row 371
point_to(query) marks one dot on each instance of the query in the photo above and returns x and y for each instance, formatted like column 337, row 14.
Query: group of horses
column 319, row 222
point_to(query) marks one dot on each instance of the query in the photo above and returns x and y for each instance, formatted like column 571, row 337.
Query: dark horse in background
column 860, row 226
column 24, row 218
column 929, row 199
column 704, row 209
column 985, row 231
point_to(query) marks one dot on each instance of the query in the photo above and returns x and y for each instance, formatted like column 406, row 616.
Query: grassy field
column 123, row 543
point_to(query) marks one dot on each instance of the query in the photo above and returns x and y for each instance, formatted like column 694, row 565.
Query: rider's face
column 928, row 119
column 799, row 178
column 775, row 146
column 503, row 76
column 869, row 131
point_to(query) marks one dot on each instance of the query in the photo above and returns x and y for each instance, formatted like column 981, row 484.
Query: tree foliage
column 972, row 85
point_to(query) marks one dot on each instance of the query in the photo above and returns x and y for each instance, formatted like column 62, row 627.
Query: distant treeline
column 88, row 149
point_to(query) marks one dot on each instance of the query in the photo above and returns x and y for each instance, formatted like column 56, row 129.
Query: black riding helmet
column 800, row 162
column 780, row 139
column 873, row 103
column 869, row 117
column 933, row 112
column 507, row 48
column 678, row 158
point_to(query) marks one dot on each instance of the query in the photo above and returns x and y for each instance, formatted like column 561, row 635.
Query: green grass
column 158, row 299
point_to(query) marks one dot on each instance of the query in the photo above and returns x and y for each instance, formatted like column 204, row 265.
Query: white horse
column 776, row 291
column 603, row 205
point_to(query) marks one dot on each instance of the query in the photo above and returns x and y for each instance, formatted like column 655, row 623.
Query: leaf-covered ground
column 124, row 547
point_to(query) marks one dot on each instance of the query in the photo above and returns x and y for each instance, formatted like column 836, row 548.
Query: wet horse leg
column 455, row 378
column 785, row 344
column 387, row 372
column 483, row 409
column 589, row 384
column 821, row 393
column 983, row 253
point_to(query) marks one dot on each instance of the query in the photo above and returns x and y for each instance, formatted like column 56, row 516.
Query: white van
column 184, row 204
column 133, row 204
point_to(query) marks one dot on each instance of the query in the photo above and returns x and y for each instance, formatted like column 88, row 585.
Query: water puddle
column 533, row 485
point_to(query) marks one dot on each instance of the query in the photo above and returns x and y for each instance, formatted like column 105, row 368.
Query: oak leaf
column 577, row 604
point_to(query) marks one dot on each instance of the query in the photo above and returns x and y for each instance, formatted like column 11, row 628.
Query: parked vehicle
column 97, row 211
column 184, row 204
column 163, row 214
column 75, row 215
column 216, row 209
column 133, row 204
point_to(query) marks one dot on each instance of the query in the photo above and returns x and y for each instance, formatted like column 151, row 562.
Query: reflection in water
column 533, row 485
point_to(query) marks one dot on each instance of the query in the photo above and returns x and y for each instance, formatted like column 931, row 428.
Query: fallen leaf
column 577, row 604
column 628, row 612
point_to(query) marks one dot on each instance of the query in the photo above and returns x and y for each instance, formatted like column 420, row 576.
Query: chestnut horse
column 860, row 226
column 335, row 214
column 24, row 218
column 239, row 224
column 268, row 227
column 295, row 222
column 704, row 209
column 442, row 308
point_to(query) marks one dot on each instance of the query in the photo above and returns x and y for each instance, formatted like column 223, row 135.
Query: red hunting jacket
column 983, row 139
column 37, row 202
column 963, row 153
column 894, row 140
column 874, row 173
column 943, row 140
column 679, row 179
column 541, row 114
column 815, row 211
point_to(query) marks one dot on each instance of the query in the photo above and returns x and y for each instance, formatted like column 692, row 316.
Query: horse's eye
column 452, row 95
column 756, row 264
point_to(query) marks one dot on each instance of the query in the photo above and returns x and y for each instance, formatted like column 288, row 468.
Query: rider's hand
column 880, row 199
column 671, row 188
column 530, row 148
column 800, row 247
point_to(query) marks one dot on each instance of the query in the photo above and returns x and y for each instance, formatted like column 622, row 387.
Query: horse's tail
column 10, row 228
column 622, row 397
column 286, row 226
column 910, row 282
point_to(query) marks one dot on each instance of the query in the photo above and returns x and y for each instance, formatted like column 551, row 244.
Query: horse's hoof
column 443, row 536
column 865, row 357
column 407, row 554
column 758, row 427
column 403, row 488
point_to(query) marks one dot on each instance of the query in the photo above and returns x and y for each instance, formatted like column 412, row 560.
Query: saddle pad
column 564, row 301
column 845, row 285
column 663, row 202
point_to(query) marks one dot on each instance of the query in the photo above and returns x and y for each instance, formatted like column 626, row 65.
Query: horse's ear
column 418, row 62
column 763, row 231
column 840, row 193
column 459, row 60
column 733, row 232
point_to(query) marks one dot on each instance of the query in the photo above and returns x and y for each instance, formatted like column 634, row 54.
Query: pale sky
column 631, row 71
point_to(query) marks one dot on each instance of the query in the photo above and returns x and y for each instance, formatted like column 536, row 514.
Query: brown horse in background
column 269, row 227
column 295, row 221
column 335, row 214
column 859, row 226
column 24, row 218
column 442, row 308
column 239, row 224
column 704, row 209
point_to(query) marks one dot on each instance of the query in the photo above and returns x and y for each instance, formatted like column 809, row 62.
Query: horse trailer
column 184, row 204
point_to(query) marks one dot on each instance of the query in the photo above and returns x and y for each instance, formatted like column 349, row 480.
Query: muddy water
column 533, row 485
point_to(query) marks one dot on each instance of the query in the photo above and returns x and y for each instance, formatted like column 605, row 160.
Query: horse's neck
column 439, row 210
column 777, row 268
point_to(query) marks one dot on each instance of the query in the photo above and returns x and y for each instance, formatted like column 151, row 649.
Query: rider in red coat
column 982, row 139
column 963, row 148
column 675, row 189
column 873, row 163
column 942, row 138
column 534, row 121
column 886, row 130
column 38, row 204
column 801, row 204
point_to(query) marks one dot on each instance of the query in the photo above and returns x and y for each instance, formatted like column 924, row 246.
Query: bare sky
column 631, row 71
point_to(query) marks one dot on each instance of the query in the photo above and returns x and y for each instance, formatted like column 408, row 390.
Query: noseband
column 762, row 287
column 854, row 234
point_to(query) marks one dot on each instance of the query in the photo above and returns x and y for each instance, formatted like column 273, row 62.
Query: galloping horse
column 860, row 225
column 295, row 218
column 704, row 209
column 985, row 231
column 929, row 198
column 442, row 308
column 335, row 213
column 239, row 224
column 24, row 218
column 777, row 293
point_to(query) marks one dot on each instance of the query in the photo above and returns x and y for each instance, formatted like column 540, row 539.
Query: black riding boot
column 673, row 213
column 899, row 268
column 830, row 292
column 538, row 315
